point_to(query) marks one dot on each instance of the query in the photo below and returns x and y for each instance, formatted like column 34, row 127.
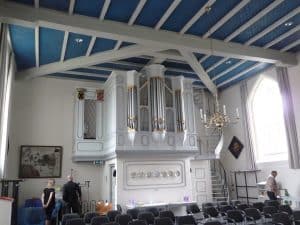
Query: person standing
column 72, row 196
column 48, row 200
column 271, row 186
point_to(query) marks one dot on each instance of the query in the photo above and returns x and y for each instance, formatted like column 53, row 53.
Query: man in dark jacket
column 72, row 196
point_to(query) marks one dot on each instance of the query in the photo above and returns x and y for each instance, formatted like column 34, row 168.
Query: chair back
column 112, row 215
column 269, row 211
column 207, row 204
column 282, row 218
column 168, row 214
column 99, row 220
column 183, row 220
column 75, row 221
column 259, row 206
column 163, row 221
column 154, row 210
column 235, row 215
column 138, row 222
column 34, row 215
column 242, row 206
column 123, row 219
column 193, row 208
column 213, row 222
column 69, row 216
column 89, row 216
column 253, row 213
column 296, row 215
column 225, row 208
column 133, row 213
column 274, row 203
column 33, row 202
column 146, row 216
column 111, row 223
column 221, row 203
column 285, row 208
column 211, row 211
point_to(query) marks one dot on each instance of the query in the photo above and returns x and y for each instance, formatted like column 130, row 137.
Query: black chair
column 281, row 218
column 296, row 216
column 224, row 209
column 168, row 214
column 138, row 222
column 89, row 216
column 133, row 213
column 259, row 206
column 222, row 203
column 123, row 219
column 111, row 223
column 207, row 204
column 112, row 215
column 68, row 216
column 163, row 221
column 192, row 209
column 211, row 212
column 213, row 222
column 269, row 211
column 235, row 216
column 119, row 208
column 285, row 208
column 242, row 206
column 253, row 214
column 75, row 221
column 183, row 220
column 147, row 216
column 154, row 210
column 274, row 203
column 99, row 220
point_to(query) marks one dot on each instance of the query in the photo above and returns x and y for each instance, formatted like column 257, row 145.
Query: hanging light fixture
column 219, row 119
column 132, row 107
column 157, row 101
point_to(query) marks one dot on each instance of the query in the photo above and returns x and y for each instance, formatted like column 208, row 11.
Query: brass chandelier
column 219, row 119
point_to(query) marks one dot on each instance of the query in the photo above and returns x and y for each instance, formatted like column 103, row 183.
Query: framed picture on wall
column 235, row 147
column 40, row 161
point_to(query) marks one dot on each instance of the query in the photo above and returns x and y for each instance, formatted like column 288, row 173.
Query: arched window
column 267, row 122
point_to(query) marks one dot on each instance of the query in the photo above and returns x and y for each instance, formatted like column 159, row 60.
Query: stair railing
column 219, row 169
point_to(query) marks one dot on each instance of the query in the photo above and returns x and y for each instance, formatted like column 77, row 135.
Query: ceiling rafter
column 168, row 13
column 229, row 69
column 216, row 64
column 273, row 26
column 195, row 18
column 248, row 24
column 101, row 17
column 132, row 19
column 205, row 79
column 37, row 45
column 78, row 62
column 225, row 18
column 138, row 34
column 71, row 6
column 36, row 4
column 292, row 45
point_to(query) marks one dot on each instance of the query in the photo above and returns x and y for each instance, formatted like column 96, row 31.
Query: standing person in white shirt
column 271, row 186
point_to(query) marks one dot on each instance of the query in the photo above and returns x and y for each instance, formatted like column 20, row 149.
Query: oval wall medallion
column 145, row 140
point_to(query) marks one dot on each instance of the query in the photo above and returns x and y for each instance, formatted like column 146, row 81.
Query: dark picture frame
column 38, row 161
column 236, row 147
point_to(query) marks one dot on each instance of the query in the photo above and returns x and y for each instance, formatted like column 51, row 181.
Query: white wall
column 42, row 114
column 288, row 178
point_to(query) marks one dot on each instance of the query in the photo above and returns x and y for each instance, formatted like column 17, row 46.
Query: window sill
column 272, row 164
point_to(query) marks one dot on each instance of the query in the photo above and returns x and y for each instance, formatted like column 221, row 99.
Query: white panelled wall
column 288, row 178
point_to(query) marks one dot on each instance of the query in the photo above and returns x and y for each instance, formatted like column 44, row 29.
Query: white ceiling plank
column 10, row 13
column 91, row 45
column 283, row 36
column 166, row 15
column 64, row 46
column 225, row 18
column 104, row 9
column 193, row 62
column 36, row 4
column 273, row 26
column 292, row 45
column 37, row 46
column 71, row 6
column 229, row 69
column 78, row 62
column 132, row 19
column 253, row 20
column 216, row 64
column 204, row 58
column 86, row 74
column 240, row 74
column 195, row 18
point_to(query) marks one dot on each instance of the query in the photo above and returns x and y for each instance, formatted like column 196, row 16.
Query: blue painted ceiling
column 51, row 41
